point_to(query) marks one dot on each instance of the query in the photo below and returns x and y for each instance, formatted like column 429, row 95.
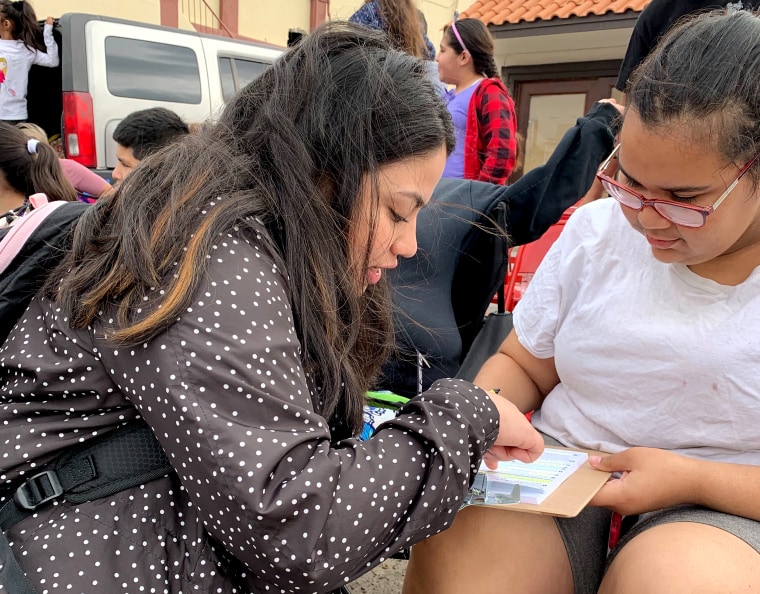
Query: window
column 236, row 73
column 550, row 97
column 154, row 71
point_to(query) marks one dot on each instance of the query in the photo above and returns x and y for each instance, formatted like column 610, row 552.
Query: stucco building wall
column 265, row 20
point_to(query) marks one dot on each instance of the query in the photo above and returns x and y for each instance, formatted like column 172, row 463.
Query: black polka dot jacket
column 264, row 499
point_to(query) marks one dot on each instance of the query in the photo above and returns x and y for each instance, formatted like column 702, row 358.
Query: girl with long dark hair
column 232, row 294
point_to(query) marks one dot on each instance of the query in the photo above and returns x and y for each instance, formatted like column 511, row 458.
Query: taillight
column 79, row 128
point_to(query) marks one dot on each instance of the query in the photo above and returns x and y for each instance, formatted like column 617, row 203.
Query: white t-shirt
column 15, row 61
column 648, row 354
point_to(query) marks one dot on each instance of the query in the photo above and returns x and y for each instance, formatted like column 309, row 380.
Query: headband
column 31, row 146
column 458, row 36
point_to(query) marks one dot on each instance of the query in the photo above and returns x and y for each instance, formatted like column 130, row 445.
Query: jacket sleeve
column 225, row 392
column 83, row 179
column 497, row 130
column 655, row 19
column 537, row 200
column 50, row 57
column 367, row 15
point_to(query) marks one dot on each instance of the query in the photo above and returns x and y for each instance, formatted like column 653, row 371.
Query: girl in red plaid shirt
column 480, row 105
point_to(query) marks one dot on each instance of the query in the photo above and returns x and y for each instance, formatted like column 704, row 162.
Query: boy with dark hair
column 142, row 133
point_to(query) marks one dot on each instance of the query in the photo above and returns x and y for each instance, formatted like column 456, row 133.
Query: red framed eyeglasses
column 687, row 215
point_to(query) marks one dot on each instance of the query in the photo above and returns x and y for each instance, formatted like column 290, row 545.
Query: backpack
column 29, row 250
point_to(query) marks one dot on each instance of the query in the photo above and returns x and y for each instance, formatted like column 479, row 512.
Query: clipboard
column 570, row 497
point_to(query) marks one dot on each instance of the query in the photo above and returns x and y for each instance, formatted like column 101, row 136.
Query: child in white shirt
column 19, row 50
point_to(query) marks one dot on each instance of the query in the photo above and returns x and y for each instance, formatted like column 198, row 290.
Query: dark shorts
column 586, row 536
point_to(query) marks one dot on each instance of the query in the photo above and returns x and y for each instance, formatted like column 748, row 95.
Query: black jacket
column 27, row 272
column 442, row 293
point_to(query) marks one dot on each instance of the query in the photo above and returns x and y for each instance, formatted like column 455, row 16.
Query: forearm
column 235, row 415
column 513, row 383
column 50, row 58
column 496, row 168
column 652, row 479
column 521, row 378
column 729, row 488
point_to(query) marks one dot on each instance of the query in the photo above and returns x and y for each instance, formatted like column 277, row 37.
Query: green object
column 385, row 399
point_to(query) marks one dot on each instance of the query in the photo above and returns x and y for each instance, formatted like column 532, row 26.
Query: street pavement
column 386, row 578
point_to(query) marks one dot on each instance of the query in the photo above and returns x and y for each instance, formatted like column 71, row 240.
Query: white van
column 111, row 67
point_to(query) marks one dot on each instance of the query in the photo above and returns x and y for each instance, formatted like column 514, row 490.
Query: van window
column 155, row 71
column 236, row 73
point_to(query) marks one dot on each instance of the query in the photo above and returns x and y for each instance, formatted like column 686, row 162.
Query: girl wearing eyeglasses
column 638, row 336
column 484, row 118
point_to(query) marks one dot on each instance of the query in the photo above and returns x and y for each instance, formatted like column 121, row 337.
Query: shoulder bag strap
column 125, row 457
column 22, row 229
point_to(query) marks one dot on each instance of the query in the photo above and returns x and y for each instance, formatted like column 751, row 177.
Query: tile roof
column 500, row 12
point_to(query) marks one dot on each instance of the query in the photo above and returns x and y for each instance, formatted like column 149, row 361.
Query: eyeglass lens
column 672, row 212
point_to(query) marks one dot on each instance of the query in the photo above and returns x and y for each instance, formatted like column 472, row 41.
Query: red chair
column 511, row 259
column 528, row 258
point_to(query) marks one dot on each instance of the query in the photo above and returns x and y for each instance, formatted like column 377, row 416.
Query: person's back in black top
column 657, row 18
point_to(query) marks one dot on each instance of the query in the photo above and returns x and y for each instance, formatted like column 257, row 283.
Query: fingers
column 536, row 445
column 522, row 453
column 526, row 456
column 611, row 100
column 503, row 454
column 609, row 495
column 613, row 492
column 491, row 460
column 497, row 454
column 599, row 462
column 527, row 443
column 517, row 438
column 612, row 463
column 527, row 449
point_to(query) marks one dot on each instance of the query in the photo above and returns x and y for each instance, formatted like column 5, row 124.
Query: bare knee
column 491, row 551
column 683, row 558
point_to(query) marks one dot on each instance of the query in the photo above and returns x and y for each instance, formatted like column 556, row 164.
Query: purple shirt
column 458, row 104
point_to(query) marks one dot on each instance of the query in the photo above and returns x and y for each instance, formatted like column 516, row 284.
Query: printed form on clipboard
column 560, row 483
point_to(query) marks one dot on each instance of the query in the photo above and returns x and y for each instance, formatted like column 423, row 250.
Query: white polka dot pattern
column 266, row 498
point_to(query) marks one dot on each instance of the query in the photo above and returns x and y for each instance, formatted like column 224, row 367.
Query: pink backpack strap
column 37, row 200
column 23, row 228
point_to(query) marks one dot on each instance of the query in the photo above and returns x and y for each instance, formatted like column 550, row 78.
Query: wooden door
column 547, row 109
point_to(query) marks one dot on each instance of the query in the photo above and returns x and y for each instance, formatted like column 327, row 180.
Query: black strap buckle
column 39, row 489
